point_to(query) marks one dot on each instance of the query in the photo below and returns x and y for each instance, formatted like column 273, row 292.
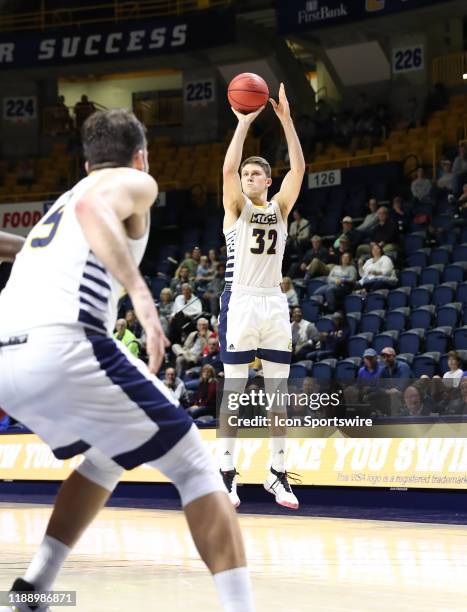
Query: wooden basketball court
column 133, row 559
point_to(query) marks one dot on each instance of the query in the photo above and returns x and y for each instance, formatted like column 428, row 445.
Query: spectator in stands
column 437, row 99
column 299, row 233
column 343, row 129
column 400, row 218
column 126, row 337
column 132, row 323
column 335, row 256
column 413, row 403
column 213, row 357
column 214, row 289
column 315, row 261
column 289, row 290
column 192, row 262
column 349, row 232
column 182, row 277
column 333, row 343
column 459, row 169
column 420, row 186
column 445, row 182
column 166, row 307
column 204, row 274
column 378, row 272
column 304, row 335
column 83, row 109
column 458, row 406
column 413, row 114
column 340, row 282
column 462, row 200
column 370, row 220
column 213, row 260
column 187, row 307
column 396, row 372
column 385, row 233
column 370, row 369
column 204, row 401
column 176, row 385
column 191, row 353
column 453, row 376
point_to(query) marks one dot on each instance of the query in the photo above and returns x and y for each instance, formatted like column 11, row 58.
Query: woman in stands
column 340, row 282
column 204, row 401
column 455, row 373
column 377, row 272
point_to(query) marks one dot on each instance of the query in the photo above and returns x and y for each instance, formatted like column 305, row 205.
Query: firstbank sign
column 315, row 11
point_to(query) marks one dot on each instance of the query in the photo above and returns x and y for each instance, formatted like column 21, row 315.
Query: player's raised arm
column 233, row 197
column 10, row 246
column 292, row 182
column 101, row 211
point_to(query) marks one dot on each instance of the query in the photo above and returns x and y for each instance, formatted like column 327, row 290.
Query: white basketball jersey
column 56, row 278
column 255, row 247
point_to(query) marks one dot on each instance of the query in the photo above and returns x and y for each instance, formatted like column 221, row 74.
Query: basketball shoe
column 277, row 483
column 230, row 481
column 22, row 586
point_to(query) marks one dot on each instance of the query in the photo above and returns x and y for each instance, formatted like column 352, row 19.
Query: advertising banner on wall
column 295, row 15
column 19, row 218
column 439, row 463
column 118, row 41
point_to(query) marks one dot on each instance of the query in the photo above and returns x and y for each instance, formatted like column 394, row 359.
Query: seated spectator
column 126, row 337
column 213, row 260
column 204, row 401
column 445, row 181
column 377, row 272
column 413, row 115
column 299, row 232
column 83, row 109
column 186, row 308
column 385, row 232
column 370, row 220
column 214, row 288
column 315, row 261
column 166, row 307
column 289, row 290
column 420, row 186
column 370, row 369
column 192, row 262
column 333, row 343
column 203, row 273
column 413, row 404
column 395, row 373
column 459, row 169
column 458, row 406
column 349, row 232
column 400, row 218
column 340, row 282
column 335, row 255
column 213, row 356
column 132, row 323
column 304, row 335
column 176, row 385
column 182, row 276
column 191, row 353
column 453, row 376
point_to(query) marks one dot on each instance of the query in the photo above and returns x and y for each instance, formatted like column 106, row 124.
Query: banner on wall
column 439, row 463
column 295, row 15
column 118, row 41
column 19, row 218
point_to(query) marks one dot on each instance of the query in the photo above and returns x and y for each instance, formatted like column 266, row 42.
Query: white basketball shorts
column 254, row 321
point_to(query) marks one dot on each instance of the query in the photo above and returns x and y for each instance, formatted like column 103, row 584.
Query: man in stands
column 304, row 335
column 126, row 337
column 191, row 352
column 186, row 308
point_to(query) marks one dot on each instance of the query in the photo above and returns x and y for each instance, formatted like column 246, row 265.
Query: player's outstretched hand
column 282, row 108
column 249, row 118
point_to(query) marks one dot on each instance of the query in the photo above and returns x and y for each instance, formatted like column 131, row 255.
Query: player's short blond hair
column 259, row 161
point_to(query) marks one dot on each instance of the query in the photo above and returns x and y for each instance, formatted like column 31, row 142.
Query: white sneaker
column 22, row 586
column 277, row 483
column 230, row 481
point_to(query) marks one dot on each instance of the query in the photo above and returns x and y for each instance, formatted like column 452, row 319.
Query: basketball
column 247, row 92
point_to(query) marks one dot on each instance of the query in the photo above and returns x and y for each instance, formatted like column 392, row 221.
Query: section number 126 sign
column 327, row 178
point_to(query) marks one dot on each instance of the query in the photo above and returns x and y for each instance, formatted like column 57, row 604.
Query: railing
column 333, row 164
column 110, row 12
column 449, row 69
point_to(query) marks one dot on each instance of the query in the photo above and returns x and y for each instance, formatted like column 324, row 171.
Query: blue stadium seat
column 418, row 258
column 422, row 316
column 411, row 341
column 397, row 319
column 421, row 296
column 324, row 324
column 387, row 338
column 444, row 221
column 431, row 275
column 450, row 237
column 406, row 358
column 438, row 339
column 441, row 255
column 376, row 300
column 347, row 369
column 459, row 253
column 427, row 363
column 353, row 321
column 448, row 314
column 461, row 293
column 310, row 310
column 460, row 338
column 157, row 284
column 409, row 276
column 324, row 370
column 444, row 293
column 372, row 321
column 358, row 343
column 315, row 283
column 398, row 297
column 413, row 242
column 353, row 303
column 463, row 239
column 455, row 272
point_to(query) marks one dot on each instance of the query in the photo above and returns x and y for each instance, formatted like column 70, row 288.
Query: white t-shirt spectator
column 455, row 377
column 381, row 267
column 420, row 188
column 191, row 308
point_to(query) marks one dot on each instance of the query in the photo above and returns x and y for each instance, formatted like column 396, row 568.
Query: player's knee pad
column 101, row 470
column 190, row 467
column 275, row 383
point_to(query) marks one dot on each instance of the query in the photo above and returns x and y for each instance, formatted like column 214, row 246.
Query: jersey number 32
column 260, row 236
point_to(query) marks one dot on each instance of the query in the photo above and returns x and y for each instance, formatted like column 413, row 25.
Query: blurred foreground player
column 66, row 378
column 254, row 316
column 10, row 246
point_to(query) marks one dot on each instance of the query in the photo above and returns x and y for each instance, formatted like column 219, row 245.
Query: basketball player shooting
column 254, row 315
column 65, row 378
